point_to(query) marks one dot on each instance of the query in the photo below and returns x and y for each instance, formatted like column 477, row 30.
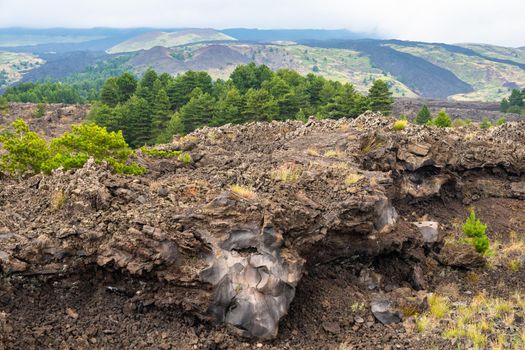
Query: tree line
column 154, row 108
column 515, row 103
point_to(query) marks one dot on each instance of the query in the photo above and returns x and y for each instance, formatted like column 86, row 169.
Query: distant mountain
column 470, row 72
column 268, row 35
column 61, row 66
column 219, row 60
column 149, row 40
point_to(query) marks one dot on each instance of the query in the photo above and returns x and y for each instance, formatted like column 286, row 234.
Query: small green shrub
column 442, row 120
column 185, row 158
column 501, row 121
column 485, row 124
column 474, row 229
column 160, row 153
column 27, row 151
column 40, row 111
column 4, row 104
column 458, row 122
column 400, row 124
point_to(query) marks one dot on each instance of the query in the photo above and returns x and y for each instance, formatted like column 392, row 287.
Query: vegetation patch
column 26, row 151
column 243, row 192
column 474, row 230
column 287, row 173
column 400, row 125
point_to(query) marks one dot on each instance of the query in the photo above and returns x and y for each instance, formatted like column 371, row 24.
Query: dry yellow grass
column 312, row 152
column 287, row 173
column 58, row 199
column 243, row 192
column 333, row 154
column 352, row 179
column 438, row 306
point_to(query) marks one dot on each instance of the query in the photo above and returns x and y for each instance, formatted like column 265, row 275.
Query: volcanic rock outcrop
column 229, row 236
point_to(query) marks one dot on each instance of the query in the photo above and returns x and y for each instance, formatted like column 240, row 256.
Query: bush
column 442, row 120
column 485, row 124
column 474, row 229
column 501, row 121
column 27, row 151
column 4, row 105
column 400, row 124
column 73, row 149
column 458, row 122
column 40, row 111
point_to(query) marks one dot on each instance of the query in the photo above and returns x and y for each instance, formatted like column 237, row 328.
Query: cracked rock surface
column 314, row 192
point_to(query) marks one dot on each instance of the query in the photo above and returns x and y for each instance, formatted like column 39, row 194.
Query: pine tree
column 442, row 120
column 260, row 105
column 198, row 111
column 138, row 120
column 516, row 98
column 127, row 84
column 110, row 92
column 504, row 105
column 229, row 109
column 423, row 116
column 161, row 112
column 380, row 97
column 148, row 85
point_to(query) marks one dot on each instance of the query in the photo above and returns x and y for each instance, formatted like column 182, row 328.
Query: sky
column 451, row 21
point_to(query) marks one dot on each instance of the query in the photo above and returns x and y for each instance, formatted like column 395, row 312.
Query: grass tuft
column 243, row 192
column 400, row 125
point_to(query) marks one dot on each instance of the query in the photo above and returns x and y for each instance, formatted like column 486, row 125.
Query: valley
column 467, row 72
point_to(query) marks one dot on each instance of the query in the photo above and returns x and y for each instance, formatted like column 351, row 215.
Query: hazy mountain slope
column 509, row 54
column 14, row 65
column 59, row 66
column 268, row 35
column 169, row 39
column 489, row 78
column 160, row 59
column 421, row 76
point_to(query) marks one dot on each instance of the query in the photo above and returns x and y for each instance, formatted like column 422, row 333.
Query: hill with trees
column 154, row 108
column 466, row 72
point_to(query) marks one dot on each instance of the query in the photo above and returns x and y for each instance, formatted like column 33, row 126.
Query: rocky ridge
column 308, row 194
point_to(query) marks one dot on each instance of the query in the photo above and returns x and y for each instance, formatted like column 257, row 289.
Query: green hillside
column 13, row 65
column 151, row 39
column 489, row 79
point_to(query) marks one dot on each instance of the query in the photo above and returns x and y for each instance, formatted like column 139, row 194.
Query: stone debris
column 239, row 257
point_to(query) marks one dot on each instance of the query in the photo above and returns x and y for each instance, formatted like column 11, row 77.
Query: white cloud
column 490, row 21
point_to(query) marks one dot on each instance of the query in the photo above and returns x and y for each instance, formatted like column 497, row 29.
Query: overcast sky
column 452, row 21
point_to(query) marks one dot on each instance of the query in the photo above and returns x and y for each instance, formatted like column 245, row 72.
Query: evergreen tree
column 380, row 97
column 260, row 105
column 314, row 85
column 504, row 105
column 161, row 112
column 127, row 84
column 250, row 76
column 442, row 120
column 148, row 85
column 423, row 116
column 516, row 98
column 110, row 93
column 180, row 89
column 138, row 119
column 198, row 111
column 229, row 109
